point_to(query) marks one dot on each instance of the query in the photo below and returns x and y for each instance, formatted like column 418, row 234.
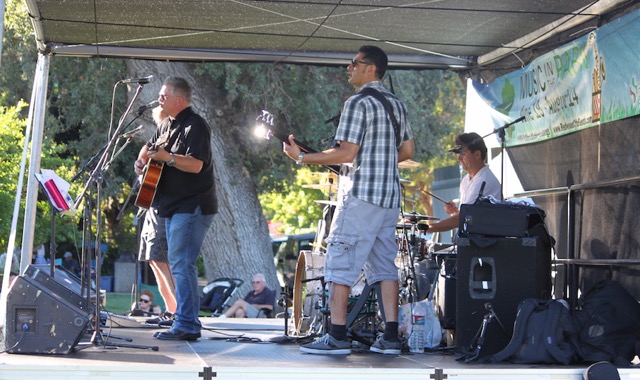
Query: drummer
column 472, row 156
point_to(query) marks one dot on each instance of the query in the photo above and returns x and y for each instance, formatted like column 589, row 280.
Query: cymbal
column 320, row 186
column 415, row 216
column 408, row 164
column 328, row 203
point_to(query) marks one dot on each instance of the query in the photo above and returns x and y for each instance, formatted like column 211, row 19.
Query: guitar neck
column 284, row 137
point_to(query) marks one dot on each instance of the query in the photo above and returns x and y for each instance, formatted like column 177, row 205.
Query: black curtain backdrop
column 606, row 225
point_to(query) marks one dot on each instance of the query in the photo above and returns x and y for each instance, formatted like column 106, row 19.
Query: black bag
column 607, row 324
column 601, row 371
column 541, row 334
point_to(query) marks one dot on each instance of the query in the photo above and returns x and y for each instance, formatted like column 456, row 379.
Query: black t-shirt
column 178, row 191
column 265, row 297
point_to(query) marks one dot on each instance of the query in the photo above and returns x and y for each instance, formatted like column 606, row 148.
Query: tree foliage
column 83, row 108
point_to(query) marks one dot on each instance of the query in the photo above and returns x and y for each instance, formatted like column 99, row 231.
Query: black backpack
column 541, row 334
column 607, row 324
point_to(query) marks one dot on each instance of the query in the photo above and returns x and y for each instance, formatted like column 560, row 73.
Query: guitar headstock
column 264, row 127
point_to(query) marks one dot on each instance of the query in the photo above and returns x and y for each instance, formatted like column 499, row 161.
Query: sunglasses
column 354, row 62
column 144, row 300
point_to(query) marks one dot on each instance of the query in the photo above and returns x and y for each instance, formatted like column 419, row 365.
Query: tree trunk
column 238, row 244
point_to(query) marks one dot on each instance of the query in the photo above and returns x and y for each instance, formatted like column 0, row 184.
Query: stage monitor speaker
column 63, row 283
column 40, row 321
column 497, row 275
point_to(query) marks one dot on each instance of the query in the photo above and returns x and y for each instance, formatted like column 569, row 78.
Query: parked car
column 285, row 254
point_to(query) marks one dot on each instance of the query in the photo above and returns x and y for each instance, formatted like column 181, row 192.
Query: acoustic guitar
column 266, row 119
column 150, row 178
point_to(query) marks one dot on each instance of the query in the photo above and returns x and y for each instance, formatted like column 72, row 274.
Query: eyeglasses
column 256, row 282
column 144, row 300
column 354, row 62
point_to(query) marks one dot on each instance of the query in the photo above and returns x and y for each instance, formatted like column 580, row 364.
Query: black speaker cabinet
column 496, row 274
column 445, row 294
column 40, row 321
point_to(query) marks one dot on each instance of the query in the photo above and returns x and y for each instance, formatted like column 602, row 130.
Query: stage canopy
column 446, row 34
column 481, row 39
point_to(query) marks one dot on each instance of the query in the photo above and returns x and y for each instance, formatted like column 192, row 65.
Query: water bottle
column 416, row 339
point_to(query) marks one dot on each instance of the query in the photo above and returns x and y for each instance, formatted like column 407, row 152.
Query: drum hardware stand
column 474, row 353
column 366, row 300
column 411, row 251
column 323, row 307
column 286, row 294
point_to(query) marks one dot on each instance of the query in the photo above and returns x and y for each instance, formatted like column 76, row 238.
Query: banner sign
column 587, row 82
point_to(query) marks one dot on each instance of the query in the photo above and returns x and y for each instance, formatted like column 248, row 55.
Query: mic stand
column 87, row 165
column 501, row 136
column 285, row 300
column 96, row 177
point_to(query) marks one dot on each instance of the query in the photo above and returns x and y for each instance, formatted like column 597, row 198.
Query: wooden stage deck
column 242, row 349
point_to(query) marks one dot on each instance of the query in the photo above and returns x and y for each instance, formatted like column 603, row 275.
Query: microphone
column 514, row 122
column 133, row 132
column 481, row 191
column 143, row 80
column 147, row 106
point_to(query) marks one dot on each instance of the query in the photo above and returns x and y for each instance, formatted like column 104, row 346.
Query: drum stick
column 434, row 196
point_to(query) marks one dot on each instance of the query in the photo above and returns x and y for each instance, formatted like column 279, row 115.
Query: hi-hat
column 408, row 164
column 328, row 203
column 413, row 216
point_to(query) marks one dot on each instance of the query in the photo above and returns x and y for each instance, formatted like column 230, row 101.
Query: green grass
column 118, row 303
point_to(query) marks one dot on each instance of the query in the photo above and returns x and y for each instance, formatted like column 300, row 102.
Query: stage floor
column 242, row 349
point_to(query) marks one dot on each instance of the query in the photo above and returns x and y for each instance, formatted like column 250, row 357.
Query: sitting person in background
column 261, row 298
column 145, row 306
column 71, row 264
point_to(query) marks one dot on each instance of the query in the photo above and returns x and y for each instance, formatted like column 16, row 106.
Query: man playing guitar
column 185, row 197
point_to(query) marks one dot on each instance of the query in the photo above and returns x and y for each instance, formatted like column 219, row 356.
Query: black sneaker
column 327, row 345
column 387, row 347
column 162, row 320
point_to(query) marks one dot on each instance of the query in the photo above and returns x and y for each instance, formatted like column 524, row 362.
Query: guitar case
column 601, row 371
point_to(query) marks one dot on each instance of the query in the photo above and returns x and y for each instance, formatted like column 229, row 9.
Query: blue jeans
column 185, row 235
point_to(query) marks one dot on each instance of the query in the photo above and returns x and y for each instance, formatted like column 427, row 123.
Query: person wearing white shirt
column 479, row 180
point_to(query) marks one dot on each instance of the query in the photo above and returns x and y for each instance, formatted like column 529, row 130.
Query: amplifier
column 502, row 219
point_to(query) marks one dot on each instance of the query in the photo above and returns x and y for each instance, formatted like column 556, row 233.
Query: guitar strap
column 387, row 106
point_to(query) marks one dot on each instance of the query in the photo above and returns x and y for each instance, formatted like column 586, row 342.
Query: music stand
column 96, row 178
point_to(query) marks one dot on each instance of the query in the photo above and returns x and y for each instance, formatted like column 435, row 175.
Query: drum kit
column 310, row 316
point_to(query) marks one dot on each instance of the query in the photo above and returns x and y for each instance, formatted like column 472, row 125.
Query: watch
column 172, row 161
column 300, row 157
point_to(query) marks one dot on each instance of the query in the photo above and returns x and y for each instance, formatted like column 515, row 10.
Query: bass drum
column 306, row 294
